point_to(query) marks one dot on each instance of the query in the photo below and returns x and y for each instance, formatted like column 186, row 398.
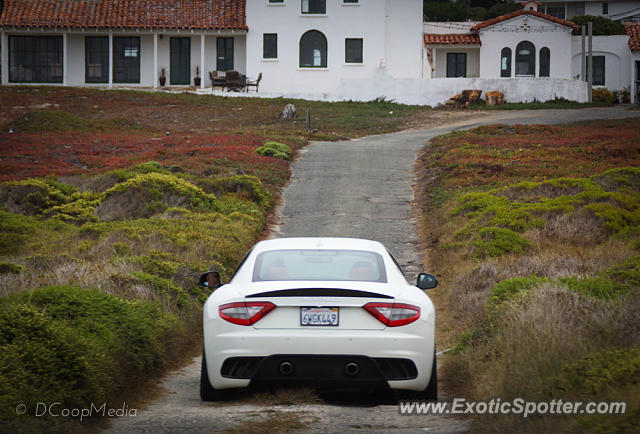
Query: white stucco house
column 315, row 49
column 528, row 49
column 616, row 10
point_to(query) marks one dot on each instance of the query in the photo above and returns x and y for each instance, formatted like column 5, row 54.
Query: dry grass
column 274, row 422
column 515, row 348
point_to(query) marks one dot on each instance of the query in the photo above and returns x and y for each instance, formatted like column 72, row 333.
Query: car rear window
column 334, row 265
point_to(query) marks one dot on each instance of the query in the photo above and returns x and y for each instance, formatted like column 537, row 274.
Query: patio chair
column 254, row 83
column 235, row 81
column 217, row 80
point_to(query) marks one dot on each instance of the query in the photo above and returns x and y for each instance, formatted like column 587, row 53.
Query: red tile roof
column 515, row 14
column 633, row 30
column 451, row 39
column 138, row 14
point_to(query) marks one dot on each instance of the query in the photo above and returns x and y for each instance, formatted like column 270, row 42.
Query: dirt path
column 360, row 188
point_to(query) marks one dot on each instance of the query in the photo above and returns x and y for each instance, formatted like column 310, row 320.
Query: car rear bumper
column 320, row 356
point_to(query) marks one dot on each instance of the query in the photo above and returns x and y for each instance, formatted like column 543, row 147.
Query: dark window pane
column 180, row 61
column 270, row 46
column 525, row 59
column 96, row 59
column 456, row 65
column 556, row 11
column 225, row 54
column 126, row 60
column 353, row 50
column 505, row 62
column 35, row 59
column 314, row 6
column 598, row 70
column 313, row 50
column 545, row 62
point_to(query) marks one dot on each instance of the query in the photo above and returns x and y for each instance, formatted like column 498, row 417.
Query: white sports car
column 335, row 313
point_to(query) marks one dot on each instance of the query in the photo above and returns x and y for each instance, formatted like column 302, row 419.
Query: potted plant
column 196, row 79
column 163, row 77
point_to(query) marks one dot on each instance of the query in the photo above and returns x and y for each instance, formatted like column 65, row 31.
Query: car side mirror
column 210, row 279
column 427, row 281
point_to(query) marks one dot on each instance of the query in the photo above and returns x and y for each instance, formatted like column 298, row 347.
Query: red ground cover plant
column 34, row 155
column 500, row 154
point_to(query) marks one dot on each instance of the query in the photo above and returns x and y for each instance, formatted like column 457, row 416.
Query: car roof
column 320, row 243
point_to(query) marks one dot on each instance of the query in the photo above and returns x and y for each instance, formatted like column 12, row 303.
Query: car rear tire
column 207, row 392
column 431, row 392
column 428, row 394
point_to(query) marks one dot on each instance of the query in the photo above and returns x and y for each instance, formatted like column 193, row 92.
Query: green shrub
column 275, row 149
column 597, row 372
column 494, row 241
column 602, row 26
column 73, row 346
column 19, row 232
column 248, row 185
column 509, row 288
column 80, row 211
column 163, row 286
column 10, row 267
column 598, row 286
column 138, row 169
column 31, row 196
column 152, row 193
column 602, row 95
column 610, row 283
column 625, row 273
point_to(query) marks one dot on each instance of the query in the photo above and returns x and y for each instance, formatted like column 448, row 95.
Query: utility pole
column 590, row 61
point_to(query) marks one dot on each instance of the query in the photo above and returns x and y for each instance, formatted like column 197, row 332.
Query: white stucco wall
column 615, row 7
column 403, row 38
column 615, row 50
column 541, row 33
column 371, row 20
column 438, row 90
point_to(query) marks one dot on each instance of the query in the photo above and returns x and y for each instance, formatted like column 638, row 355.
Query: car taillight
column 393, row 314
column 245, row 313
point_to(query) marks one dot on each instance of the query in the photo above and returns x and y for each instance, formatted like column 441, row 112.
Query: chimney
column 531, row 5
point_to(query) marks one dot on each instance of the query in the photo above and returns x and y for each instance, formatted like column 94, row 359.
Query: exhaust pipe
column 286, row 368
column 352, row 369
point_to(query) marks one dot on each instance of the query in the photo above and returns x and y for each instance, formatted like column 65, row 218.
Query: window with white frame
column 456, row 65
column 270, row 46
column 314, row 6
column 313, row 50
column 525, row 59
column 353, row 50
column 35, row 59
column 545, row 62
column 505, row 62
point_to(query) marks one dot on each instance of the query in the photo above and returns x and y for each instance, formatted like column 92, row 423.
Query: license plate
column 319, row 316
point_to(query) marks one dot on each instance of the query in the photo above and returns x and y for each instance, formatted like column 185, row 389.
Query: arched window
column 545, row 62
column 525, row 59
column 505, row 62
column 313, row 50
